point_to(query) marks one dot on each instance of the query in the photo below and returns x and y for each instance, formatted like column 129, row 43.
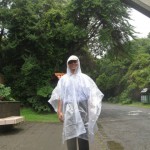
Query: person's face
column 73, row 65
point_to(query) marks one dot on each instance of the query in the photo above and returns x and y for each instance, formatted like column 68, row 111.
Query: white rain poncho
column 81, row 100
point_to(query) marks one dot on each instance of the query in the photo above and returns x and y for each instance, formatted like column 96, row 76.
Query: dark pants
column 72, row 144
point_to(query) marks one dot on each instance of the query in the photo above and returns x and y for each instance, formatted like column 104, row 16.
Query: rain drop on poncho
column 81, row 100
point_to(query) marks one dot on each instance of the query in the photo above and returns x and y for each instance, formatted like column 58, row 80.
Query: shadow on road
column 9, row 130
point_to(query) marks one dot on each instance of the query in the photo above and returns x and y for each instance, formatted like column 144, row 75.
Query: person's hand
column 60, row 116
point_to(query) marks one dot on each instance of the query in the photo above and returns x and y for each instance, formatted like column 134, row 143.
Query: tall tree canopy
column 105, row 23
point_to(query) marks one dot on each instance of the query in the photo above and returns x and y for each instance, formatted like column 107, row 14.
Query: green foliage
column 106, row 24
column 139, row 71
column 148, row 36
column 39, row 104
column 124, row 97
column 141, row 45
column 41, row 34
column 122, row 81
column 113, row 100
column 138, row 75
column 110, row 74
column 44, row 91
column 30, row 64
column 5, row 93
column 29, row 58
column 128, row 101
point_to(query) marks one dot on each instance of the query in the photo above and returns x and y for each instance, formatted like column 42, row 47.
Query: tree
column 33, row 44
column 148, row 36
column 4, row 7
column 122, row 81
column 4, row 22
column 104, row 24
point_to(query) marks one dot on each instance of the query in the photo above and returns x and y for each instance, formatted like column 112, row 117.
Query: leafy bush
column 39, row 104
column 113, row 100
column 5, row 93
column 128, row 101
column 30, row 64
column 44, row 91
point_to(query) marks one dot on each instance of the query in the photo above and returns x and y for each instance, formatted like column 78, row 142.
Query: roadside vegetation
column 123, row 80
column 139, row 104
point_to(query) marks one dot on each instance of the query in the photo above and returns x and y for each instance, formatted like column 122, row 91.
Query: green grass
column 139, row 104
column 31, row 115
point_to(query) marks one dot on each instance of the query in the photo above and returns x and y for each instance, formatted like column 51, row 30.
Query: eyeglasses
column 72, row 61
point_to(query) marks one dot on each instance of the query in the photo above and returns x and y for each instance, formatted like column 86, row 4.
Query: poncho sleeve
column 94, row 106
column 55, row 96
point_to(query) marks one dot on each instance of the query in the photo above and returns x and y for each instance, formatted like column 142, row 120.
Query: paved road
column 124, row 128
column 32, row 136
column 36, row 136
column 120, row 128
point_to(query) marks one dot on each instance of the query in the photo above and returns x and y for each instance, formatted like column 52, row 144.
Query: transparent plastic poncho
column 81, row 100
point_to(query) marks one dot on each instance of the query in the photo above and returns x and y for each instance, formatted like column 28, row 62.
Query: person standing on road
column 77, row 101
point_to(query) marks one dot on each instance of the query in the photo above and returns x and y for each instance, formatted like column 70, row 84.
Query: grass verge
column 139, row 104
column 31, row 115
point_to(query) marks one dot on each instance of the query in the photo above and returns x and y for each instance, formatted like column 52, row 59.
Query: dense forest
column 37, row 36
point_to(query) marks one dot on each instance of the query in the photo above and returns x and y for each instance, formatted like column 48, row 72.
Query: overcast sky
column 141, row 23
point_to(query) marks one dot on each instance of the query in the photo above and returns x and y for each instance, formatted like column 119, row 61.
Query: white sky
column 141, row 23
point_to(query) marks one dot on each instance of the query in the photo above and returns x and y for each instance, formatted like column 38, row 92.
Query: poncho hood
column 73, row 57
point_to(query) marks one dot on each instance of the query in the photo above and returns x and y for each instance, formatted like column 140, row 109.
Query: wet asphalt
column 124, row 127
column 120, row 128
column 35, row 136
